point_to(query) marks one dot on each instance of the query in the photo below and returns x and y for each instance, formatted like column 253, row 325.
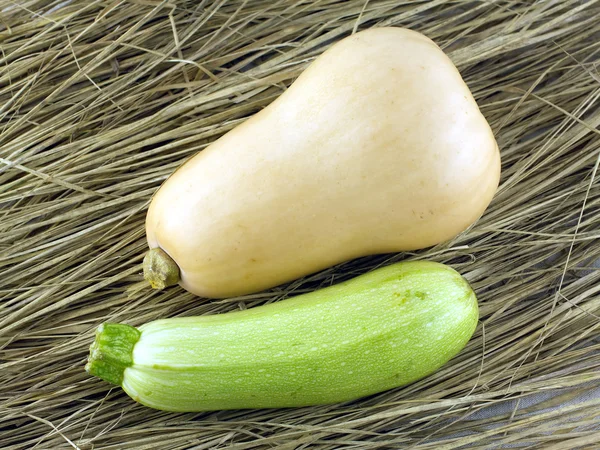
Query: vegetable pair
column 377, row 147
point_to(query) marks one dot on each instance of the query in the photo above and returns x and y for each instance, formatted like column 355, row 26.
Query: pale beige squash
column 377, row 147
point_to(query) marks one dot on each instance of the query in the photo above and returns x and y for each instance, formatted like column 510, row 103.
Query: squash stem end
column 160, row 271
column 112, row 352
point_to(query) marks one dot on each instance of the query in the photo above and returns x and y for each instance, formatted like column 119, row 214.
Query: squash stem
column 112, row 351
column 159, row 269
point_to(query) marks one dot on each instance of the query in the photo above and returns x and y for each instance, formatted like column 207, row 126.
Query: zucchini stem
column 159, row 269
column 112, row 351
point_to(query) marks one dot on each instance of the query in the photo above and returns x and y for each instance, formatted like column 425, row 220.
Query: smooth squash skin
column 375, row 332
column 377, row 147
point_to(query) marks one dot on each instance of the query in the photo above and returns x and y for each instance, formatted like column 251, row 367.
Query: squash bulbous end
column 112, row 352
column 159, row 269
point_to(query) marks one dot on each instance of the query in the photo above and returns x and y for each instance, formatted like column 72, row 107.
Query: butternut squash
column 377, row 147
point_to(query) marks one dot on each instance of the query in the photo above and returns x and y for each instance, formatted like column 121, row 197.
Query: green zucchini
column 378, row 331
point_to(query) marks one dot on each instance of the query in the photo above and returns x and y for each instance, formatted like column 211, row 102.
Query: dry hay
column 101, row 100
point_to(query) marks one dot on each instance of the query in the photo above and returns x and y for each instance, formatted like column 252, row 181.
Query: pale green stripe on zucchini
column 375, row 332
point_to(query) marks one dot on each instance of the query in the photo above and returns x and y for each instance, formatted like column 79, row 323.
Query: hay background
column 101, row 100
